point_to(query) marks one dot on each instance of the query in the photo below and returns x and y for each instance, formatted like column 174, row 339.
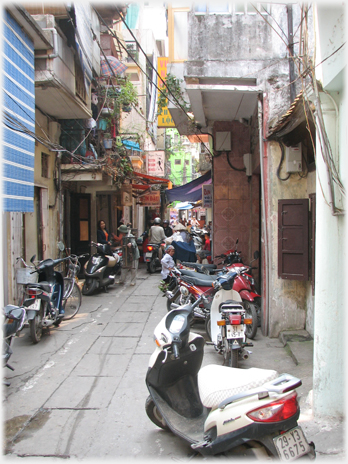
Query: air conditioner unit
column 293, row 158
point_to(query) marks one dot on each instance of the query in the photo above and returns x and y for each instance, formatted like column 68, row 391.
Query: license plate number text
column 291, row 445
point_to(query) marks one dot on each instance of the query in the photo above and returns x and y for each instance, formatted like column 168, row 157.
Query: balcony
column 59, row 84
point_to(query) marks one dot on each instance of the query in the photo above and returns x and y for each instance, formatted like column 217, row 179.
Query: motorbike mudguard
column 31, row 314
column 246, row 295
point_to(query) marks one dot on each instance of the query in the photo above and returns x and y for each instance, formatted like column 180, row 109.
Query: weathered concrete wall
column 288, row 298
column 244, row 46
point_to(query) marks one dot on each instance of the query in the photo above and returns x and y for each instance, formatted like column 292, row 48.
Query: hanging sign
column 126, row 195
column 155, row 163
column 207, row 195
column 164, row 119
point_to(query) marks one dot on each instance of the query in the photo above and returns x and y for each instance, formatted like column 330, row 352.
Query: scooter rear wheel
column 152, row 267
column 35, row 325
column 154, row 414
column 250, row 311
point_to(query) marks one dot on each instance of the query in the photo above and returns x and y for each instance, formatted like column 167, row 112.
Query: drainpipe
column 60, row 200
column 291, row 52
column 55, row 44
column 265, row 299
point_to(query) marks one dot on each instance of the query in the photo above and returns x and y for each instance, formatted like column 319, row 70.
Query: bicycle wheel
column 72, row 303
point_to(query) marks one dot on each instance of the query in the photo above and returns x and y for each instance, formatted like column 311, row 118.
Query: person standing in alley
column 130, row 255
column 167, row 265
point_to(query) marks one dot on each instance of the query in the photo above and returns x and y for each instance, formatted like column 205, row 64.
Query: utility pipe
column 55, row 44
column 265, row 298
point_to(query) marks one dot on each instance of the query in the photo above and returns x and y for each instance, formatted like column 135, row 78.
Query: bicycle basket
column 24, row 276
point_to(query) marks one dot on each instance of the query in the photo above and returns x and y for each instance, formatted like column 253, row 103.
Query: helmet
column 157, row 220
column 166, row 221
column 123, row 229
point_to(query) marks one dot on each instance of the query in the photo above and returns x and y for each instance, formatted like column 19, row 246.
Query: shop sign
column 155, row 163
column 164, row 119
column 207, row 195
column 126, row 195
column 150, row 199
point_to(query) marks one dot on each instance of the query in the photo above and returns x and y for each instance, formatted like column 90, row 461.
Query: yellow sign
column 164, row 119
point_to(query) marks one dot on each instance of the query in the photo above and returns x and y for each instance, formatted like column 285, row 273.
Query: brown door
column 293, row 216
column 80, row 223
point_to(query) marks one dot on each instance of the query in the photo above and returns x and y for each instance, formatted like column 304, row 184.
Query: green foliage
column 173, row 91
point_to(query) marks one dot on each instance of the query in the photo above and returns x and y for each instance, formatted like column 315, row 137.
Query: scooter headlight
column 96, row 260
column 177, row 324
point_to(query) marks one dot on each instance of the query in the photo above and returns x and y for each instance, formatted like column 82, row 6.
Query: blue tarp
column 185, row 251
column 189, row 192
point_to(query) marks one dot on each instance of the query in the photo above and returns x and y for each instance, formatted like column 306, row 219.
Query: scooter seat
column 216, row 383
column 198, row 275
column 198, row 282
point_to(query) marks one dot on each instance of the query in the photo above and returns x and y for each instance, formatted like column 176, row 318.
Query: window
column 187, row 162
column 177, row 161
column 248, row 8
column 212, row 8
column 293, row 239
column 44, row 165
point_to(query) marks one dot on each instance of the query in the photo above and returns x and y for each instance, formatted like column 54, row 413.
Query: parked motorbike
column 216, row 408
column 101, row 268
column 152, row 257
column 228, row 339
column 44, row 298
column 14, row 318
column 244, row 284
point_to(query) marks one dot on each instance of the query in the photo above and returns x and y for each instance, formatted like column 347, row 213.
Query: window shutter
column 293, row 239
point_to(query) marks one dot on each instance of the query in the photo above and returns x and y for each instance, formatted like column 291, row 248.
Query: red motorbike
column 244, row 284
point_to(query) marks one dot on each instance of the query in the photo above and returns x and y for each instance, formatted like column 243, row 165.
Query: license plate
column 148, row 255
column 291, row 445
column 35, row 305
column 234, row 331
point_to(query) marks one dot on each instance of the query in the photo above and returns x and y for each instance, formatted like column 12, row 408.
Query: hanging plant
column 171, row 90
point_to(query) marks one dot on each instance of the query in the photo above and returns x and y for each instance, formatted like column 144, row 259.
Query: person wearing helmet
column 157, row 235
column 168, row 231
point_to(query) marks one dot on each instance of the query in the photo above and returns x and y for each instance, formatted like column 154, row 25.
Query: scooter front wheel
column 154, row 414
column 89, row 286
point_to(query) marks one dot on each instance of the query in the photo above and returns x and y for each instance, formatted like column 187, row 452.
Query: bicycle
column 72, row 294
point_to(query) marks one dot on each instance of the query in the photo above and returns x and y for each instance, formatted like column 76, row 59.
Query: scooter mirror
column 61, row 246
column 32, row 259
column 256, row 254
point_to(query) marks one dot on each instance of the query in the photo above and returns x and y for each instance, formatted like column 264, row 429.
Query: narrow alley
column 80, row 392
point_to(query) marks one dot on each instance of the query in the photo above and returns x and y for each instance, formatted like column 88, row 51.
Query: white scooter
column 217, row 408
column 226, row 324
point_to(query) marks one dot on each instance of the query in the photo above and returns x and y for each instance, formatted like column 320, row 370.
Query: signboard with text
column 207, row 195
column 164, row 119
column 150, row 199
column 155, row 163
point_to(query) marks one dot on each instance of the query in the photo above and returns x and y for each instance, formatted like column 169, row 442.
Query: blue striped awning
column 19, row 103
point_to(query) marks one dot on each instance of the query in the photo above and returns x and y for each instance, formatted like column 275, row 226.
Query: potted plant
column 107, row 140
column 127, row 97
